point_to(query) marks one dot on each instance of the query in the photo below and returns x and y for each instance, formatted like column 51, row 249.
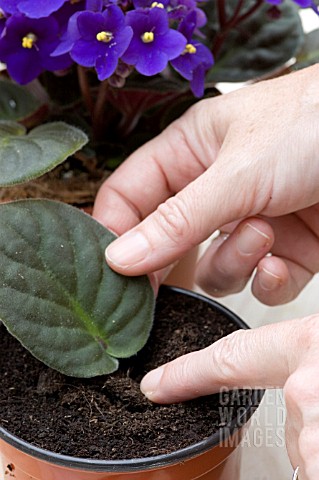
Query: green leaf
column 16, row 102
column 309, row 54
column 59, row 297
column 258, row 45
column 24, row 156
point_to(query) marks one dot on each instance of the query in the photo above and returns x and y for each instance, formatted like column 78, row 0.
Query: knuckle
column 183, row 144
column 178, row 136
column 179, row 139
column 225, row 355
column 294, row 391
column 181, row 376
column 301, row 392
column 172, row 219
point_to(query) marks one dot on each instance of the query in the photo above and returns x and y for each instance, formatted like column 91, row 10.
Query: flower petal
column 24, row 67
column 85, row 53
column 106, row 65
column 152, row 62
column 39, row 8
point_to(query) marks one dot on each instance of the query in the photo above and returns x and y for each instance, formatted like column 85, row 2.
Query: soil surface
column 76, row 182
column 107, row 417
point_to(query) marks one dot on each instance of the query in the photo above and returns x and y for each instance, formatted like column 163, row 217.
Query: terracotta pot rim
column 147, row 463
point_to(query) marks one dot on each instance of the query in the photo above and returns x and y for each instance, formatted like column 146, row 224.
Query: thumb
column 258, row 358
column 184, row 220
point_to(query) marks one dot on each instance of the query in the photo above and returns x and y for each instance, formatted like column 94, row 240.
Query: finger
column 262, row 357
column 295, row 241
column 188, row 218
column 281, row 277
column 227, row 268
column 158, row 170
column 278, row 281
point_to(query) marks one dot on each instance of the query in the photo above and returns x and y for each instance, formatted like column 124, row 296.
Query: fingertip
column 231, row 259
column 150, row 384
column 268, row 280
column 128, row 252
column 272, row 284
column 254, row 237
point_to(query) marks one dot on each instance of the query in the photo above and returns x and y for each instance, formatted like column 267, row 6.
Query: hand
column 281, row 355
column 248, row 157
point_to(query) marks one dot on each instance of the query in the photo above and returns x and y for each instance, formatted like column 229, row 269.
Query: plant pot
column 183, row 273
column 213, row 458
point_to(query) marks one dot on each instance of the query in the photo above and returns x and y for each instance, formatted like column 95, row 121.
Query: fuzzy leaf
column 258, row 46
column 24, row 156
column 16, row 102
column 309, row 54
column 59, row 297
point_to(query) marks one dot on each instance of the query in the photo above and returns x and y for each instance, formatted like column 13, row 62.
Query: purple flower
column 180, row 8
column 31, row 8
column 3, row 20
column 9, row 6
column 64, row 13
column 153, row 43
column 196, row 58
column 25, row 47
column 103, row 38
column 67, row 18
column 94, row 5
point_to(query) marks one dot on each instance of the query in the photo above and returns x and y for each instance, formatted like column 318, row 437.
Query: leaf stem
column 221, row 13
column 235, row 20
column 98, row 111
column 85, row 88
column 237, row 10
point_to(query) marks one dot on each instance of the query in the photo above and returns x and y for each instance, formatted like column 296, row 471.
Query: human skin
column 245, row 163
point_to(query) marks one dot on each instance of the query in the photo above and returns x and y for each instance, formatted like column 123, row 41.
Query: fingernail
column 250, row 240
column 128, row 250
column 268, row 280
column 150, row 382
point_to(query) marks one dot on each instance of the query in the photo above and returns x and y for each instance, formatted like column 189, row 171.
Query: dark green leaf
column 59, row 297
column 27, row 156
column 257, row 46
column 309, row 54
column 16, row 103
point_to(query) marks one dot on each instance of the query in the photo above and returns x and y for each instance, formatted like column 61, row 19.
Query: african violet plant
column 84, row 75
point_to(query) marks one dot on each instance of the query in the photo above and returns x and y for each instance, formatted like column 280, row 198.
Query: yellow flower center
column 29, row 40
column 190, row 48
column 157, row 4
column 148, row 37
column 105, row 37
